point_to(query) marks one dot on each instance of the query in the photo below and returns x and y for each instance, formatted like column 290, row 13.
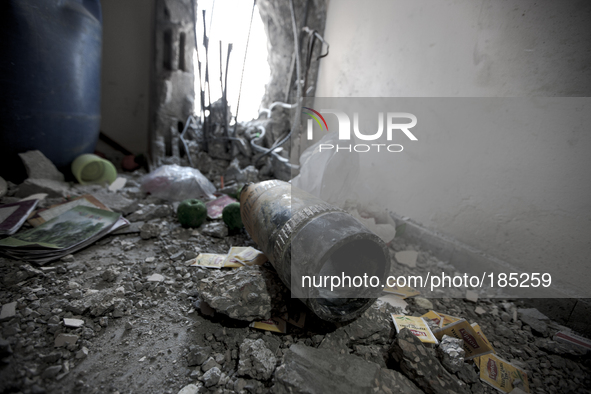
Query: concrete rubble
column 128, row 314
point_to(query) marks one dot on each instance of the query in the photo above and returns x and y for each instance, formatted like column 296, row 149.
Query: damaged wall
column 520, row 193
column 173, row 80
column 276, row 17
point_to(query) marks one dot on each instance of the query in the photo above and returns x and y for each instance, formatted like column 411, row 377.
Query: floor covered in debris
column 146, row 322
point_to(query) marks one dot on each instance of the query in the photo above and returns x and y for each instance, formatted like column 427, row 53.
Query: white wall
column 520, row 193
column 127, row 58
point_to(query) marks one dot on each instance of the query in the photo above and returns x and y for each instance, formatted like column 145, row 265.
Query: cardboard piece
column 478, row 330
column 434, row 316
column 572, row 339
column 209, row 260
column 274, row 324
column 500, row 374
column 417, row 326
column 446, row 320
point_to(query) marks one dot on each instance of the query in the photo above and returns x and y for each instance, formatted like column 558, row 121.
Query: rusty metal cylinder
column 305, row 237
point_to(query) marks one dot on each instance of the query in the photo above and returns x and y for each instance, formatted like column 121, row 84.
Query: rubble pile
column 130, row 313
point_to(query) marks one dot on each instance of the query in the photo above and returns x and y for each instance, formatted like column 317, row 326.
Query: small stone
column 51, row 372
column 479, row 310
column 537, row 326
column 217, row 230
column 209, row 364
column 155, row 278
column 73, row 323
column 471, row 296
column 256, row 360
column 198, row 355
column 5, row 349
column 68, row 258
column 189, row 389
column 211, row 377
column 109, row 275
column 128, row 325
column 65, row 339
column 8, row 311
column 423, row 303
column 407, row 257
column 150, row 230
column 82, row 353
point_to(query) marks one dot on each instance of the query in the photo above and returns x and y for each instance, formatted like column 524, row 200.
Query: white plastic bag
column 176, row 183
column 327, row 174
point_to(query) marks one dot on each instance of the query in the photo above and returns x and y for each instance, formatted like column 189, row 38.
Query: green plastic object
column 231, row 216
column 191, row 213
column 89, row 169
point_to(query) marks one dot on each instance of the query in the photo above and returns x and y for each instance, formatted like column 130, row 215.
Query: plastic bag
column 326, row 174
column 176, row 183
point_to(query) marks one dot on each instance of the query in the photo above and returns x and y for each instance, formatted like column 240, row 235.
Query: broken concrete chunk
column 310, row 370
column 216, row 229
column 189, row 389
column 51, row 372
column 65, row 339
column 256, row 360
column 245, row 293
column 479, row 310
column 471, row 296
column 209, row 364
column 198, row 355
column 40, row 167
column 82, row 353
column 421, row 366
column 155, row 278
column 211, row 377
column 150, row 230
column 48, row 186
column 407, row 257
column 531, row 312
column 8, row 311
column 451, row 353
column 73, row 323
column 538, row 327
column 150, row 212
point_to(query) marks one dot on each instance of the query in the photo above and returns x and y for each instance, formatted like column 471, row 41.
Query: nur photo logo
column 397, row 123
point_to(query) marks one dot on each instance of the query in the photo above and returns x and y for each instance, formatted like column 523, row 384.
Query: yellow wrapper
column 500, row 374
column 434, row 316
column 416, row 325
column 404, row 292
column 250, row 256
column 478, row 330
column 230, row 261
column 474, row 345
column 273, row 324
column 209, row 260
column 447, row 319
